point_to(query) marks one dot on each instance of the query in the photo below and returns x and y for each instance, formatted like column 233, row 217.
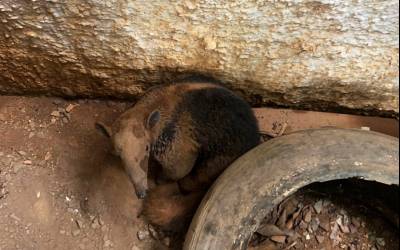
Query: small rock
column 166, row 241
column 343, row 227
column 309, row 229
column 335, row 235
column 62, row 231
column 314, row 224
column 47, row 156
column 143, row 234
column 134, row 248
column 153, row 232
column 31, row 134
column 381, row 242
column 292, row 245
column 3, row 192
column 108, row 243
column 95, row 224
column 27, row 162
column 303, row 225
column 79, row 224
column 324, row 224
column 70, row 107
column 308, row 237
column 346, row 219
column 320, row 239
column 76, row 232
column 65, row 120
column 13, row 216
column 103, row 228
column 318, row 206
column 56, row 113
column 278, row 239
column 307, row 216
column 38, row 195
column 22, row 153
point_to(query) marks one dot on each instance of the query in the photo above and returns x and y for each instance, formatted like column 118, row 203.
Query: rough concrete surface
column 326, row 53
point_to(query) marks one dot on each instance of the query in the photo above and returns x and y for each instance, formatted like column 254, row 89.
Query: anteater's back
column 224, row 123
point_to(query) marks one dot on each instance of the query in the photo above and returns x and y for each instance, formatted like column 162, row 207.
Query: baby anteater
column 194, row 130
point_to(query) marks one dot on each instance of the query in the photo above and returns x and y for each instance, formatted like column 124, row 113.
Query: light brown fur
column 198, row 130
column 167, row 208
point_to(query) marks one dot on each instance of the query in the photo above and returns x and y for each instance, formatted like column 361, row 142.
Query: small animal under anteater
column 194, row 130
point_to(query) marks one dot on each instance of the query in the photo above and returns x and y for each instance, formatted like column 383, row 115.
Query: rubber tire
column 259, row 180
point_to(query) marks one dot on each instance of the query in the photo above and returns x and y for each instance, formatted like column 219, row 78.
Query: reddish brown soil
column 60, row 188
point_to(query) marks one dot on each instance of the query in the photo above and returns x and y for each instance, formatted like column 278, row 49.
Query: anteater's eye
column 153, row 118
column 147, row 148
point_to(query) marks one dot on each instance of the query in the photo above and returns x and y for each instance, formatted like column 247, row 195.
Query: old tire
column 258, row 181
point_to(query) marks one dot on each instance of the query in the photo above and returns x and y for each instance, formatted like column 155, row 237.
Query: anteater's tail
column 167, row 208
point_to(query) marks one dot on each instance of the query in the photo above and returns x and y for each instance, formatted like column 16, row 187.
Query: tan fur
column 166, row 207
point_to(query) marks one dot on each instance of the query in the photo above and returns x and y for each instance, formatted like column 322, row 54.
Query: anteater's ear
column 104, row 129
column 153, row 118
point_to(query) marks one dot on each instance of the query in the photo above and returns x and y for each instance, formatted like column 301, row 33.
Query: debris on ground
column 312, row 220
column 60, row 188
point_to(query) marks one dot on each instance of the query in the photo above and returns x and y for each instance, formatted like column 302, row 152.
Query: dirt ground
column 61, row 188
